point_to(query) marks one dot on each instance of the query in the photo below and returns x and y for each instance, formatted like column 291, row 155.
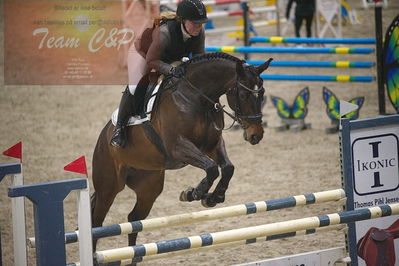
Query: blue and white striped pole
column 340, row 227
column 245, row 233
column 227, row 245
column 208, row 215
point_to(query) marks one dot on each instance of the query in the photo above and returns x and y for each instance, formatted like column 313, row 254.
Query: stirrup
column 119, row 137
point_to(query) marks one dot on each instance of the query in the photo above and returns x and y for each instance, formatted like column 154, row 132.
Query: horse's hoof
column 197, row 196
column 208, row 202
column 218, row 199
column 187, row 195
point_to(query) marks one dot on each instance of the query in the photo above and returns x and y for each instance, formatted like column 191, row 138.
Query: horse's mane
column 210, row 57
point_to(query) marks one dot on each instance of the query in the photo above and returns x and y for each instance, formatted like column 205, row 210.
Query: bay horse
column 188, row 120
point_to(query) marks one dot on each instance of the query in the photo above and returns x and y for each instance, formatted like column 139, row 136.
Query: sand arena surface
column 60, row 123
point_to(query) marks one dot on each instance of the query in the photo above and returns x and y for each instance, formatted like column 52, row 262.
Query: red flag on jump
column 15, row 151
column 77, row 166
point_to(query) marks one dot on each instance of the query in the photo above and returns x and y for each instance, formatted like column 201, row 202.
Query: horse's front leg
column 186, row 152
column 218, row 195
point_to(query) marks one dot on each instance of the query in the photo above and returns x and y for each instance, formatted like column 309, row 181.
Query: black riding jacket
column 167, row 45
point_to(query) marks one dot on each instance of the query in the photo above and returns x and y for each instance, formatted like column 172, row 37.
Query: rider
column 168, row 41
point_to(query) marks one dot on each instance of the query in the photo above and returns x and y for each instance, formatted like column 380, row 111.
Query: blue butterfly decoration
column 332, row 105
column 298, row 110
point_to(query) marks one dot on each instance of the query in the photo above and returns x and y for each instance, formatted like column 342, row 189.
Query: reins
column 237, row 117
column 216, row 105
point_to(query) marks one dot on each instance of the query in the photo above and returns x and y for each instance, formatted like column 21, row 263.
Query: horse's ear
column 240, row 68
column 264, row 66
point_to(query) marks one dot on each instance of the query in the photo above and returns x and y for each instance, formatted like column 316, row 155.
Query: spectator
column 304, row 11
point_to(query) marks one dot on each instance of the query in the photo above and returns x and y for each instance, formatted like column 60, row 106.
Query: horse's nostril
column 254, row 139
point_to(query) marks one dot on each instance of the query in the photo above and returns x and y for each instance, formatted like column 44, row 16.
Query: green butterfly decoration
column 298, row 110
column 332, row 105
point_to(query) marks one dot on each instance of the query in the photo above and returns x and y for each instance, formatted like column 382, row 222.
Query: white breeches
column 137, row 68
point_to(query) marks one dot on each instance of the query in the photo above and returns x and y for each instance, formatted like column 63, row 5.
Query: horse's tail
column 101, row 139
column 101, row 156
column 93, row 202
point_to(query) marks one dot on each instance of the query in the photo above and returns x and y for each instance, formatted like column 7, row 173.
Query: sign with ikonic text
column 375, row 160
column 370, row 157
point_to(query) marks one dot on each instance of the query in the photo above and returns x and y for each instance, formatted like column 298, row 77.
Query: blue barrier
column 47, row 199
column 291, row 50
column 259, row 39
column 318, row 78
column 333, row 64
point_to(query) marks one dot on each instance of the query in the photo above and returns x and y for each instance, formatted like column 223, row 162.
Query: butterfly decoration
column 298, row 110
column 332, row 103
column 391, row 62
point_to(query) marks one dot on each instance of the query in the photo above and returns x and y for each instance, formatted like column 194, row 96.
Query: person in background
column 304, row 11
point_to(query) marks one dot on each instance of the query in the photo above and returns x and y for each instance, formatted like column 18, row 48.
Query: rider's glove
column 177, row 72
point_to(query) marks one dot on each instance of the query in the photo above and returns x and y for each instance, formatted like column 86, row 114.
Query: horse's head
column 246, row 97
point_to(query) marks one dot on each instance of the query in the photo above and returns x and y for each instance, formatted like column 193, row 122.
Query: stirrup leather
column 119, row 137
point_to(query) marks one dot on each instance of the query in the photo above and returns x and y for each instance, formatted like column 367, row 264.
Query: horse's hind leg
column 148, row 185
column 102, row 200
column 106, row 184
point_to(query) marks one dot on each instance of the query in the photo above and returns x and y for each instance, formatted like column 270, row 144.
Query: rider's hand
column 177, row 72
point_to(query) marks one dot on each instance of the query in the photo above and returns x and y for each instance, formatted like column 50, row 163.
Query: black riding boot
column 125, row 111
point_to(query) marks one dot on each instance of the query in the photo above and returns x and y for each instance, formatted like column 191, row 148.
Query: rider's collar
column 186, row 36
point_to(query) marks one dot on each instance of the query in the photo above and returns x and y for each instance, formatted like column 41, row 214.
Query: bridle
column 257, row 117
column 237, row 117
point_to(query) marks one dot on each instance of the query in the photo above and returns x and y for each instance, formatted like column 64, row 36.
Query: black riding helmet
column 193, row 10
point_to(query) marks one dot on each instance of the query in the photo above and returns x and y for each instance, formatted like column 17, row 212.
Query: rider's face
column 192, row 28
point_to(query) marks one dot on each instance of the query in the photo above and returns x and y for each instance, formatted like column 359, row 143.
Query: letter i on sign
column 377, row 179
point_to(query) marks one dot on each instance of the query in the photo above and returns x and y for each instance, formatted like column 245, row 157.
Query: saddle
column 150, row 88
column 146, row 98
column 377, row 248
